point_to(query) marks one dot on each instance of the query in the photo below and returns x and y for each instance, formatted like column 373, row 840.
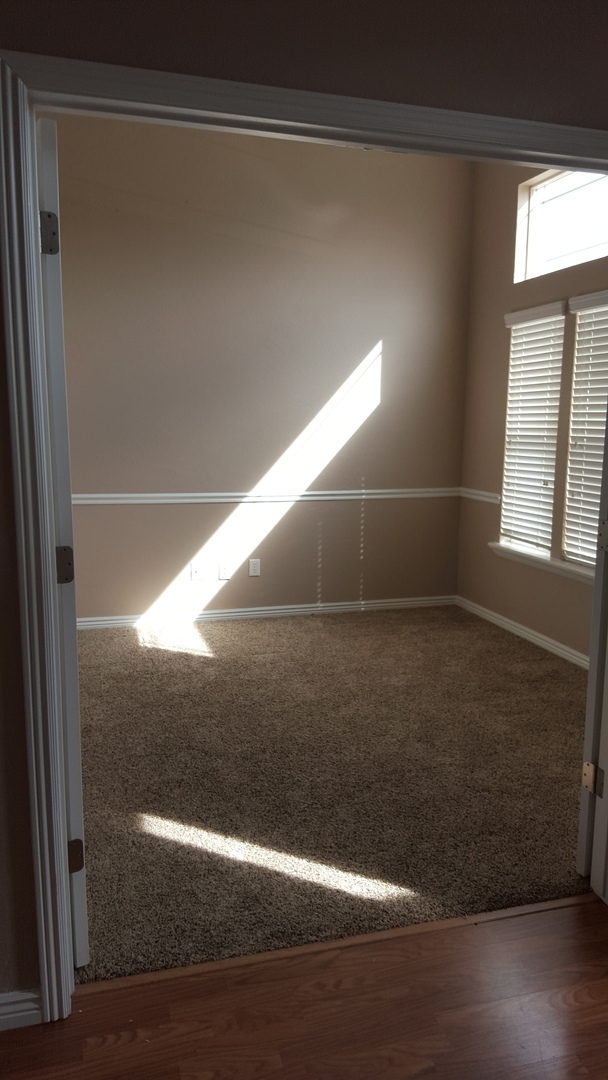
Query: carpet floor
column 316, row 777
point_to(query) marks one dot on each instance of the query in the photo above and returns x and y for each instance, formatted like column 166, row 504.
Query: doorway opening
column 271, row 356
column 34, row 341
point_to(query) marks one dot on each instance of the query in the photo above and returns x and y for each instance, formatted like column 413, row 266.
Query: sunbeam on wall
column 240, row 851
column 168, row 619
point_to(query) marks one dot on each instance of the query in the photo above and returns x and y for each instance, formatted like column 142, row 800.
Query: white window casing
column 537, row 340
column 587, row 427
column 562, row 220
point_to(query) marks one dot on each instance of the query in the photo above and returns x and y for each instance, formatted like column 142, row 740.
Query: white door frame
column 48, row 200
column 28, row 83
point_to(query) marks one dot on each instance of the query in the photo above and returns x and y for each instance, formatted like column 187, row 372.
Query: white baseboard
column 107, row 622
column 19, row 1008
column 524, row 632
column 113, row 621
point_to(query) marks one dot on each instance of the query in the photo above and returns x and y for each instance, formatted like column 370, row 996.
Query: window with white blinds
column 537, row 339
column 587, row 429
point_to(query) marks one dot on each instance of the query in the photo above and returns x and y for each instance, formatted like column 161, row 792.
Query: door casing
column 30, row 83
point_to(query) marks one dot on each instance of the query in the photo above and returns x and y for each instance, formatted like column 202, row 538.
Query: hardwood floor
column 518, row 995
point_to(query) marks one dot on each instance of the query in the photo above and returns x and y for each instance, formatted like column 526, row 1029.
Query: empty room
column 336, row 434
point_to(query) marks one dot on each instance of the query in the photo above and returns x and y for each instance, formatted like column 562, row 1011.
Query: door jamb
column 29, row 83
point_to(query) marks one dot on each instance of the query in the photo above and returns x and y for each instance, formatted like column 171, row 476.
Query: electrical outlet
column 223, row 572
column 254, row 568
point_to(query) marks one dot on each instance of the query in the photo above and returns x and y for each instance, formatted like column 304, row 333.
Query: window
column 533, row 497
column 535, row 369
column 562, row 220
column 587, row 429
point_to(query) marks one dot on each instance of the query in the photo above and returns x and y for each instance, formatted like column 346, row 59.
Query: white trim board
column 32, row 456
column 524, row 632
column 112, row 622
column 19, row 1008
column 109, row 621
column 343, row 495
column 480, row 496
column 586, row 574
column 111, row 90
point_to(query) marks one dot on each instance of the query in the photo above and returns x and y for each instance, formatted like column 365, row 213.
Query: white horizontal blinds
column 587, row 430
column 531, row 435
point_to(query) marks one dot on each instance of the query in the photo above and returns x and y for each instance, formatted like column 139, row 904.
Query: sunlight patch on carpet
column 175, row 636
column 314, row 872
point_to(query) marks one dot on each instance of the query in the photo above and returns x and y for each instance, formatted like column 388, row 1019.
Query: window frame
column 525, row 194
column 556, row 559
column 529, row 467
column 596, row 356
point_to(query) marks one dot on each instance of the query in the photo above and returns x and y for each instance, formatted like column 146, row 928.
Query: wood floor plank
column 521, row 998
column 569, row 1067
column 431, row 983
column 229, row 1066
column 256, row 959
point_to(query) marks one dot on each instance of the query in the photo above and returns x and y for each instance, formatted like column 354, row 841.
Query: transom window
column 562, row 220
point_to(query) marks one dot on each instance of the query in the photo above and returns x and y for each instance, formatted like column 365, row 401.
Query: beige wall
column 314, row 554
column 218, row 290
column 546, row 602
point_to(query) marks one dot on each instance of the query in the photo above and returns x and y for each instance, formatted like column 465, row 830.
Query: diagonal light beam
column 266, row 504
column 268, row 859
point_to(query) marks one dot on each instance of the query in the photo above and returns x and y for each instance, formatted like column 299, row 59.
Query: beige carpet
column 428, row 756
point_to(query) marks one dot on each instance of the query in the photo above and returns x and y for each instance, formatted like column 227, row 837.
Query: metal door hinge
column 49, row 233
column 64, row 557
column 593, row 779
column 602, row 538
column 75, row 856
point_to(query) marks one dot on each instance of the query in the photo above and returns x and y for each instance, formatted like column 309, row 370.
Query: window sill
column 545, row 562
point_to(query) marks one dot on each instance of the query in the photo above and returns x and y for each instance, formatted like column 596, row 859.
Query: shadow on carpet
column 411, row 765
